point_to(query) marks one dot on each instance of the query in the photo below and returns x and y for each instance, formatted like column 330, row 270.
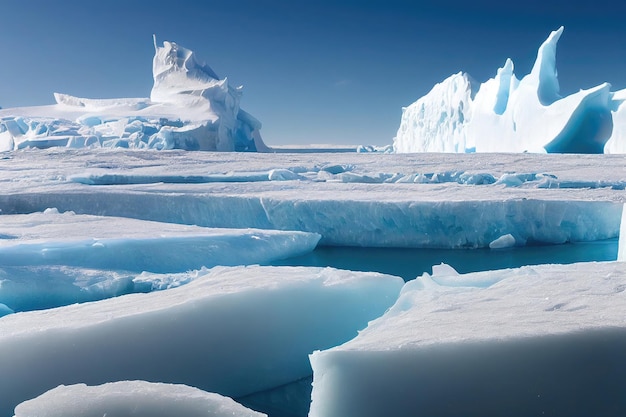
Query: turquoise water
column 410, row 263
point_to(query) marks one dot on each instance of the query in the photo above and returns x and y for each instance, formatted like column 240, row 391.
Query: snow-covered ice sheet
column 234, row 331
column 53, row 238
column 534, row 198
column 136, row 398
column 519, row 342
column 505, row 114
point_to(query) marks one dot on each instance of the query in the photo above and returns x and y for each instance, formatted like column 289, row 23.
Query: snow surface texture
column 536, row 340
column 234, row 331
column 189, row 107
column 131, row 398
column 505, row 114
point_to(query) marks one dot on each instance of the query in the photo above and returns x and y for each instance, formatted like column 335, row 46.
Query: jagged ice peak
column 505, row 114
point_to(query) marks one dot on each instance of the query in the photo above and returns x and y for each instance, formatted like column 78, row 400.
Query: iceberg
column 136, row 398
column 234, row 331
column 519, row 342
column 436, row 122
column 505, row 114
column 189, row 108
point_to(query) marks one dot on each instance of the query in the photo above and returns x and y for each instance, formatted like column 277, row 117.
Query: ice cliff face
column 505, row 114
column 189, row 107
column 617, row 142
column 436, row 123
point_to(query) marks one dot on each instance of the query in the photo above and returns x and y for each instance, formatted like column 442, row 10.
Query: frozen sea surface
column 81, row 225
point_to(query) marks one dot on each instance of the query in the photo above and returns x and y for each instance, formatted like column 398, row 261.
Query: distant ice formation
column 505, row 114
column 189, row 107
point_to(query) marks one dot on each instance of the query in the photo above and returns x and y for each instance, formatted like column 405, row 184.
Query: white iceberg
column 505, row 114
column 436, row 122
column 189, row 107
column 136, row 398
column 504, row 241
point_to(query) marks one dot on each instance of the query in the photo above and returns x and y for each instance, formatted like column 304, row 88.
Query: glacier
column 505, row 114
column 189, row 108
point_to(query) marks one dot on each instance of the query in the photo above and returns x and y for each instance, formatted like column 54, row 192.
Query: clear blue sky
column 313, row 71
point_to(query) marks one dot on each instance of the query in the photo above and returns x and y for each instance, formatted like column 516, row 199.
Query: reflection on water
column 410, row 263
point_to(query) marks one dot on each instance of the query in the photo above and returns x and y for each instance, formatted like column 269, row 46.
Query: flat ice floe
column 136, row 398
column 49, row 259
column 234, row 331
column 546, row 339
column 52, row 238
